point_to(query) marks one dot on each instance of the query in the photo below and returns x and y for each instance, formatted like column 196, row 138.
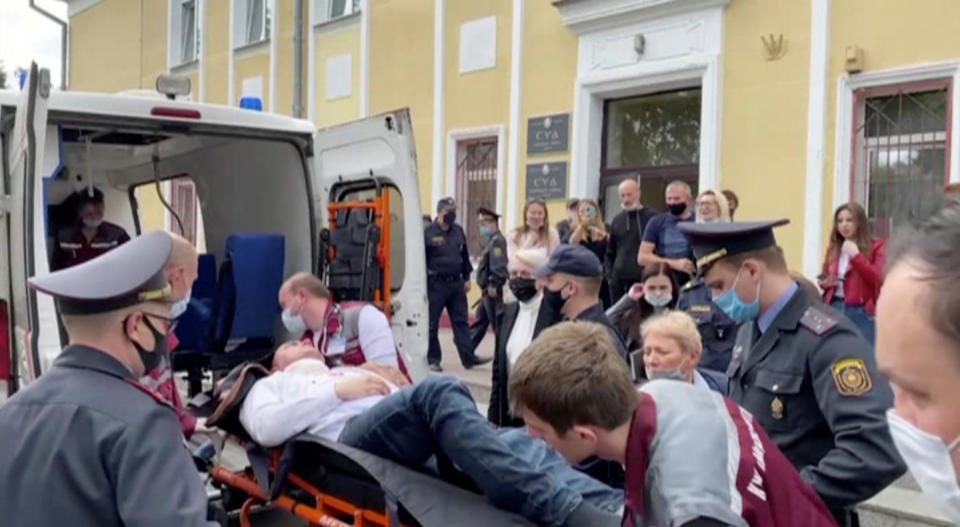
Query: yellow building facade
column 796, row 105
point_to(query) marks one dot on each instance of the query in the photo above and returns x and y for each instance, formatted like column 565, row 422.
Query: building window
column 476, row 185
column 901, row 147
column 655, row 137
column 251, row 23
column 327, row 10
column 185, row 32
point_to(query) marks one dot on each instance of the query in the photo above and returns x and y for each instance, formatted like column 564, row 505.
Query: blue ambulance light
column 251, row 103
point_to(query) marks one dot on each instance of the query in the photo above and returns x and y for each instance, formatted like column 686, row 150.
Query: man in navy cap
column 86, row 437
column 492, row 274
column 572, row 279
column 801, row 368
column 448, row 279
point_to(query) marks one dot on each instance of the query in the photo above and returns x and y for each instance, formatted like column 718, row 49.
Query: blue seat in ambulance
column 246, row 310
column 194, row 327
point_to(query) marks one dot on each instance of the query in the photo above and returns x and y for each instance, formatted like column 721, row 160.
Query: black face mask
column 677, row 208
column 523, row 288
column 151, row 359
column 450, row 218
column 554, row 299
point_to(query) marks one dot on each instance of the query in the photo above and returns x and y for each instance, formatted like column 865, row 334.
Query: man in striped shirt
column 693, row 457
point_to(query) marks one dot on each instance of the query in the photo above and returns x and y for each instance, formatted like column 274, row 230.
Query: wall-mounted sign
column 547, row 180
column 550, row 133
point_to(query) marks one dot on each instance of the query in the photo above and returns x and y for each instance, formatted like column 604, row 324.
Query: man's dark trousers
column 449, row 294
column 486, row 316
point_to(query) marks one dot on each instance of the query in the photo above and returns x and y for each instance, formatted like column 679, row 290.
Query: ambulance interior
column 253, row 207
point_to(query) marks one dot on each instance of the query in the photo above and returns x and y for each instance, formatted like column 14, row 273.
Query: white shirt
column 842, row 267
column 302, row 400
column 521, row 335
column 375, row 335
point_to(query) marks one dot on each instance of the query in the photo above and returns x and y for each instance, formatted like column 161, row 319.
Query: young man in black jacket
column 626, row 232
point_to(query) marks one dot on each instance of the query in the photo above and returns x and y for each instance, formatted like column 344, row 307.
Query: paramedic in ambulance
column 181, row 273
column 347, row 334
column 90, row 236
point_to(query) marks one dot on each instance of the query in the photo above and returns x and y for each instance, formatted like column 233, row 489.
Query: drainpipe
column 63, row 41
column 298, row 59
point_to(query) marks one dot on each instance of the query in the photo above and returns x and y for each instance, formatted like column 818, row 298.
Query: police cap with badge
column 129, row 275
column 712, row 242
column 487, row 214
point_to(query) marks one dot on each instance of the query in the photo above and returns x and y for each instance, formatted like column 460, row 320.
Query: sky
column 26, row 35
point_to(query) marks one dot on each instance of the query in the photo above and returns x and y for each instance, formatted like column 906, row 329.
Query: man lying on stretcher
column 374, row 409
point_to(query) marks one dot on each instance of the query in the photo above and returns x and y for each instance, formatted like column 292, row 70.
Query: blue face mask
column 738, row 310
column 486, row 232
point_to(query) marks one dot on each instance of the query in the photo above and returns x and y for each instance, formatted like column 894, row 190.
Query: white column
column 231, row 95
column 364, row 57
column 311, row 64
column 274, row 40
column 816, row 117
column 201, row 63
column 437, row 174
column 516, row 123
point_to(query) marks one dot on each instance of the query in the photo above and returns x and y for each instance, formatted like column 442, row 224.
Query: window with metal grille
column 183, row 201
column 900, row 151
column 476, row 185
column 653, row 137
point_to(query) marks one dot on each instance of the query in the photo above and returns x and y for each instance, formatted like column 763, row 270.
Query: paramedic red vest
column 341, row 343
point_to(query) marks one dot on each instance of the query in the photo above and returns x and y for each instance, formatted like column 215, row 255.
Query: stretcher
column 332, row 485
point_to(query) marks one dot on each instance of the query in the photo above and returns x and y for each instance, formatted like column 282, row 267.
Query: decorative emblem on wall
column 774, row 47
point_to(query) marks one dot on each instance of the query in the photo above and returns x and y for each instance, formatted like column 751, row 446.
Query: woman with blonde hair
column 592, row 233
column 712, row 207
column 536, row 232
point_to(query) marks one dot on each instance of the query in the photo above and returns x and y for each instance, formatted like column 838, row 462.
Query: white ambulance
column 252, row 172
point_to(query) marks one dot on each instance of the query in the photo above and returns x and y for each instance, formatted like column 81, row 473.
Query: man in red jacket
column 693, row 457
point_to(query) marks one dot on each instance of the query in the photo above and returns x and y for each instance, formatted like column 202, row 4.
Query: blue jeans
column 858, row 315
column 439, row 418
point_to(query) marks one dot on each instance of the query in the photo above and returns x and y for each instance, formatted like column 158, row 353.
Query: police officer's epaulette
column 817, row 320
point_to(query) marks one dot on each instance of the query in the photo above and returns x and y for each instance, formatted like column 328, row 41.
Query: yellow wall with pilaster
column 216, row 52
column 401, row 74
column 764, row 139
column 333, row 41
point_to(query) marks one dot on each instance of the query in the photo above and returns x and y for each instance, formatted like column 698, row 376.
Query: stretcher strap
column 393, row 508
column 260, row 466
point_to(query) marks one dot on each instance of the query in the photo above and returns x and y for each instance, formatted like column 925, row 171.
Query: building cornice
column 591, row 15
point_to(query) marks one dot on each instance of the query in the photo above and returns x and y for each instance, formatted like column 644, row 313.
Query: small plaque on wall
column 550, row 133
column 547, row 180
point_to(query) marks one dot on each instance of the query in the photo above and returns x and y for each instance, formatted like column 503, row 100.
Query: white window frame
column 241, row 20
column 323, row 10
column 175, row 57
column 847, row 85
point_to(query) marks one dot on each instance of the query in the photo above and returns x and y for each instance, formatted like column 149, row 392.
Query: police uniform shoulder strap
column 817, row 320
column 153, row 394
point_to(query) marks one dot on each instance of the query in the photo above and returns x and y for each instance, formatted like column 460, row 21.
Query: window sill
column 253, row 48
column 186, row 67
column 325, row 26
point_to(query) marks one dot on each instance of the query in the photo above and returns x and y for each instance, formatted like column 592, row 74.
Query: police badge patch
column 851, row 377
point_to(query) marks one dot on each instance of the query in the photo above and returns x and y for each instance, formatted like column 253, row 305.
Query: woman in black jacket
column 519, row 323
column 656, row 292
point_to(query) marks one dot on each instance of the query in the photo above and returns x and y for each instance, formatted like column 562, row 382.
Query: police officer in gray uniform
column 85, row 444
column 492, row 274
column 801, row 368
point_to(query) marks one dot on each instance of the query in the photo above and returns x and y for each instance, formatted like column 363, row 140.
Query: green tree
column 3, row 76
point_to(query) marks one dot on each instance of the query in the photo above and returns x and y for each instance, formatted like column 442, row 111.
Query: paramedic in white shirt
column 364, row 409
column 521, row 321
column 347, row 334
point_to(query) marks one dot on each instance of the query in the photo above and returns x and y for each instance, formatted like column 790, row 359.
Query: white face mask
column 180, row 306
column 657, row 300
column 294, row 323
column 928, row 459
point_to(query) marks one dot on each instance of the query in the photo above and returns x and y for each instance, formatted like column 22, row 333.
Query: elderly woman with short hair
column 672, row 349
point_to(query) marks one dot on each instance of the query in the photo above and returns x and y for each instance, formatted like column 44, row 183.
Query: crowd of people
column 719, row 390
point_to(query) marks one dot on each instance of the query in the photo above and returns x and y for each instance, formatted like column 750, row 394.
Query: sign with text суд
column 549, row 133
column 547, row 180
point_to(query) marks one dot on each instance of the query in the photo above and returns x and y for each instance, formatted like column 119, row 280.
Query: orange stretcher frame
column 323, row 513
column 380, row 205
